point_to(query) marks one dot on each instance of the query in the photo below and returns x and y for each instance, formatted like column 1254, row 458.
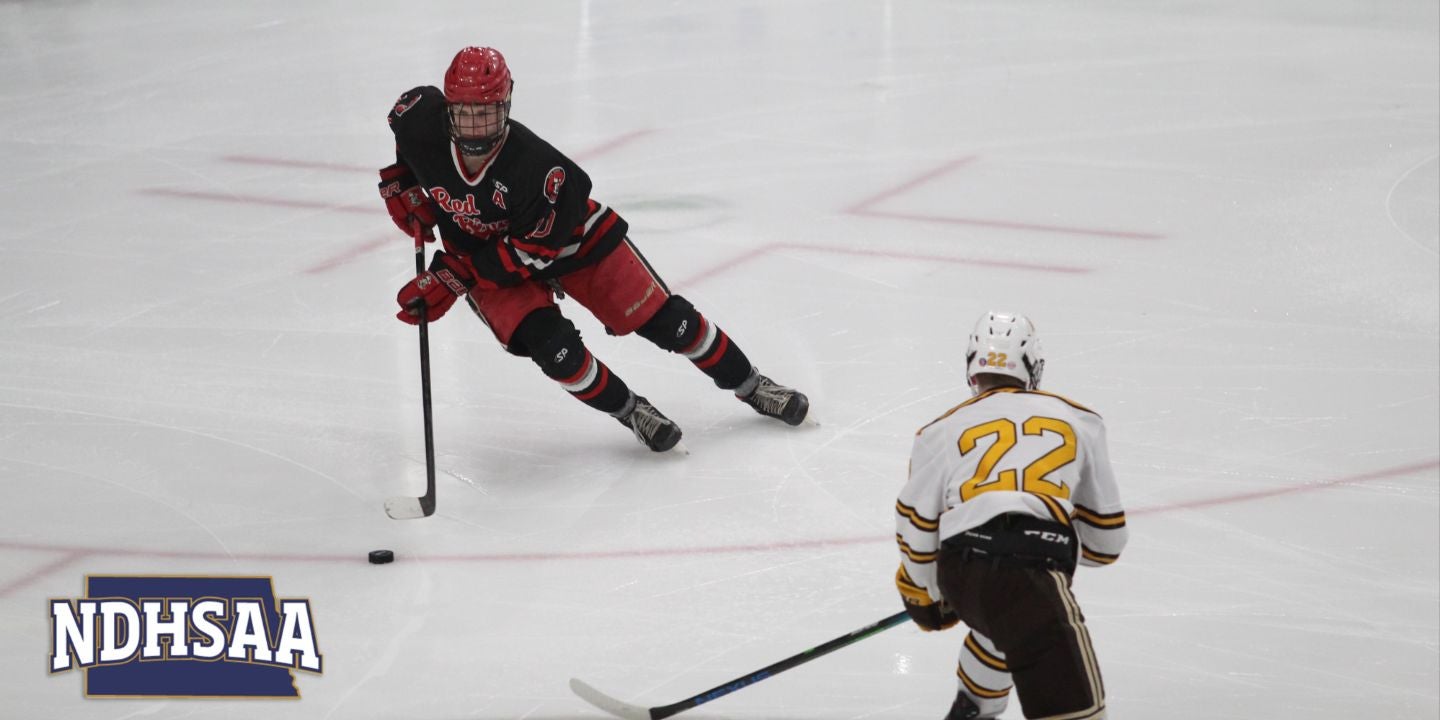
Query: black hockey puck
column 380, row 557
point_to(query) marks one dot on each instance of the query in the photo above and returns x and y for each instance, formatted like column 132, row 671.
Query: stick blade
column 608, row 704
column 407, row 508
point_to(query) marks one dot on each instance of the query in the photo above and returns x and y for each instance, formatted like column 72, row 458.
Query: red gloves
column 434, row 292
column 409, row 207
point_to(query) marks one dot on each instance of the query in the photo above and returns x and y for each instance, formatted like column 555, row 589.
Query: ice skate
column 773, row 400
column 651, row 428
column 964, row 709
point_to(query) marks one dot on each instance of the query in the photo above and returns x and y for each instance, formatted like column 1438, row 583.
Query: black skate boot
column 652, row 429
column 772, row 400
column 964, row 709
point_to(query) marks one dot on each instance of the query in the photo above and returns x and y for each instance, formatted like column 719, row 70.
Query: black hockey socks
column 680, row 328
column 552, row 341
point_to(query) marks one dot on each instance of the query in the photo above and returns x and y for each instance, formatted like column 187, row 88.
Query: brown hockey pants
column 1028, row 612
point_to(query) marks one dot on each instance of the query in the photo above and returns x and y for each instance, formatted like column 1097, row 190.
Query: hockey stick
column 410, row 508
column 635, row 712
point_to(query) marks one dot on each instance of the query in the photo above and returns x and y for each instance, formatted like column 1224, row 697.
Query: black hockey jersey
column 526, row 214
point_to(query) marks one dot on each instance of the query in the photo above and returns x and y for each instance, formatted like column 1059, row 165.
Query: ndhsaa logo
column 138, row 636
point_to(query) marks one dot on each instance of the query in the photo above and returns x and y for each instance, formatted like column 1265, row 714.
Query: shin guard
column 679, row 328
column 553, row 343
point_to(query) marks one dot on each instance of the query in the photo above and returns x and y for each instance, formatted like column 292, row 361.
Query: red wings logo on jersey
column 553, row 181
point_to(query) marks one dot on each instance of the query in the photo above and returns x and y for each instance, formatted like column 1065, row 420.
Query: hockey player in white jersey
column 1007, row 492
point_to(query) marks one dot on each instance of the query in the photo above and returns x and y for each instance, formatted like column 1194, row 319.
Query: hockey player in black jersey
column 518, row 226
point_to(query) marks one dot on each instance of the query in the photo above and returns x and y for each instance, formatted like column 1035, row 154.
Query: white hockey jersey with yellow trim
column 1008, row 451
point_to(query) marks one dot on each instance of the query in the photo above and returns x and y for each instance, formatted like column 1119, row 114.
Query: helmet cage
column 478, row 87
column 476, row 128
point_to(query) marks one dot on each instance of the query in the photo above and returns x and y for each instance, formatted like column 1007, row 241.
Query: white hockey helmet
column 1004, row 344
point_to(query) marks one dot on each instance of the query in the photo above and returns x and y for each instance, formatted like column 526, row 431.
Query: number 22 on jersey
column 1033, row 477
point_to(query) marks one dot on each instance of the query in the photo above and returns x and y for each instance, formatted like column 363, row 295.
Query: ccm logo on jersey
column 184, row 637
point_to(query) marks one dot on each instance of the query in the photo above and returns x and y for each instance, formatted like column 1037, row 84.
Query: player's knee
column 551, row 341
column 675, row 325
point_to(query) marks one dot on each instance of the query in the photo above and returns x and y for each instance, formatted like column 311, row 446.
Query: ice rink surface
column 1223, row 216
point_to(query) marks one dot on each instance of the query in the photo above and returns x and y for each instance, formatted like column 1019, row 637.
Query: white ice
column 1223, row 216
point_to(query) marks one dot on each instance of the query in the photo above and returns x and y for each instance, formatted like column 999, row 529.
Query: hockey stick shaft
column 427, row 501
column 719, row 691
column 410, row 508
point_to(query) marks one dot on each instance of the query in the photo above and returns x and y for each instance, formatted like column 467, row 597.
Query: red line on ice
column 299, row 164
column 611, row 145
column 356, row 557
column 1039, row 267
column 69, row 556
column 1289, row 489
column 368, row 246
column 754, row 254
column 335, row 261
column 864, row 208
column 466, row 557
column 724, row 267
column 588, row 153
column 256, row 200
column 1008, row 225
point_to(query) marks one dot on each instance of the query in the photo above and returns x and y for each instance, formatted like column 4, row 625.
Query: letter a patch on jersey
column 499, row 197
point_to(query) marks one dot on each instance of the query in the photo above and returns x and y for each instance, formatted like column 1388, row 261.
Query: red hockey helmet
column 478, row 75
column 477, row 90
